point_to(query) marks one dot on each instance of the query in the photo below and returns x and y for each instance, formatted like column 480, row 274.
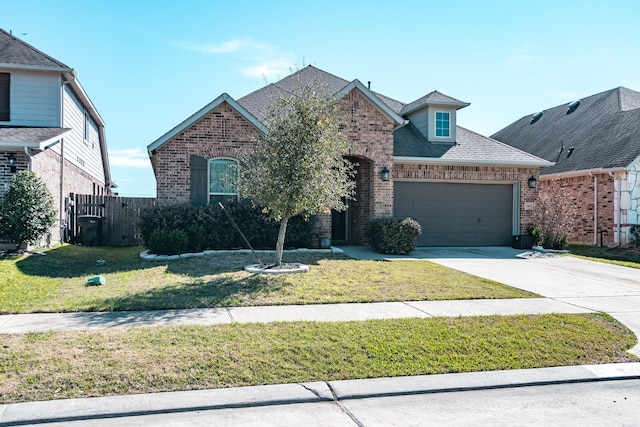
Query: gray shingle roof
column 259, row 101
column 14, row 51
column 432, row 98
column 29, row 135
column 604, row 132
column 470, row 147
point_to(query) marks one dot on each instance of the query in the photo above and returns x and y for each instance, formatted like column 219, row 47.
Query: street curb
column 66, row 410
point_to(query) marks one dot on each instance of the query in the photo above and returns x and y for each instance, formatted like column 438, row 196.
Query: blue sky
column 148, row 65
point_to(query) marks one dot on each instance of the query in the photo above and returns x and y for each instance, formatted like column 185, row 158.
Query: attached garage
column 457, row 214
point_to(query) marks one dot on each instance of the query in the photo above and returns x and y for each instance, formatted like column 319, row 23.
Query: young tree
column 26, row 213
column 554, row 217
column 298, row 166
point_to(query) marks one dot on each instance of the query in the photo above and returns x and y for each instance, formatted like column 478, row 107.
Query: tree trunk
column 280, row 243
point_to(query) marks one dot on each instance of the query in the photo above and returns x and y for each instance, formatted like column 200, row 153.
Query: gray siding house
column 49, row 125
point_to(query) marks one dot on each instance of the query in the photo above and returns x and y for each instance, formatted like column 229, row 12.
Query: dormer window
column 443, row 124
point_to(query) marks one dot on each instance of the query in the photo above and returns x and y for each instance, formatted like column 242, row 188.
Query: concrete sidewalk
column 42, row 322
column 317, row 393
column 570, row 286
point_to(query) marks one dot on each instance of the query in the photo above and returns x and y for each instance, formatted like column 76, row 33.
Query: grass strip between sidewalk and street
column 56, row 365
column 56, row 282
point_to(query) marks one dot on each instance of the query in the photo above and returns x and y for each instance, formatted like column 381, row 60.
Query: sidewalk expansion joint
column 232, row 320
column 342, row 407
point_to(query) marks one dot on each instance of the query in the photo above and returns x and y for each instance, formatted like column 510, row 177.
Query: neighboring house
column 595, row 144
column 413, row 160
column 49, row 125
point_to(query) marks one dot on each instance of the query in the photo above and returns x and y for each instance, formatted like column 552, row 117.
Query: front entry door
column 339, row 226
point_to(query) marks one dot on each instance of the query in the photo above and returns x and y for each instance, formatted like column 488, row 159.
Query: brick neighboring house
column 595, row 144
column 463, row 188
column 49, row 125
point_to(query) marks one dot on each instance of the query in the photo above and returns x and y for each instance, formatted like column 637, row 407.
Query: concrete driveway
column 587, row 284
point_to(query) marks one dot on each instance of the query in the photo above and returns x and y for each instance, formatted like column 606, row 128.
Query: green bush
column 394, row 236
column 208, row 227
column 635, row 236
column 168, row 242
column 27, row 212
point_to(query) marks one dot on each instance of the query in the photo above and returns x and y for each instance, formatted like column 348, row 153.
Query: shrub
column 554, row 216
column 208, row 227
column 168, row 242
column 27, row 212
column 635, row 236
column 394, row 236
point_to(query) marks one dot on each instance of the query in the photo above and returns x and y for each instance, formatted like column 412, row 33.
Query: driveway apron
column 587, row 284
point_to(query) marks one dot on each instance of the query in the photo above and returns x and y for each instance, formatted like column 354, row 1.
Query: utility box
column 523, row 241
column 90, row 230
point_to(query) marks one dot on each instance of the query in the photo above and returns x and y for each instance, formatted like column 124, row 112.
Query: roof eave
column 574, row 173
column 426, row 103
column 381, row 106
column 200, row 114
column 471, row 162
column 24, row 67
column 41, row 145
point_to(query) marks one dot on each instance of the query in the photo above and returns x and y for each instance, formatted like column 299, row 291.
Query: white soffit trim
column 572, row 174
column 201, row 113
column 463, row 162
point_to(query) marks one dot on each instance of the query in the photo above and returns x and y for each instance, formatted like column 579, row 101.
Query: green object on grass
column 96, row 280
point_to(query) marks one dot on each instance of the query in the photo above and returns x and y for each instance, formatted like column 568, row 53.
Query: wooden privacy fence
column 104, row 220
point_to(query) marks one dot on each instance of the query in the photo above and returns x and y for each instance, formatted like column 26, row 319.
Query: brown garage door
column 457, row 214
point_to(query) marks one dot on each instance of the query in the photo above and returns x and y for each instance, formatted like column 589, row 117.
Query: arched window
column 223, row 174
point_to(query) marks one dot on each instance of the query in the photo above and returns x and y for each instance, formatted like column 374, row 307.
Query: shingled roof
column 16, row 53
column 603, row 132
column 409, row 143
column 259, row 101
column 470, row 148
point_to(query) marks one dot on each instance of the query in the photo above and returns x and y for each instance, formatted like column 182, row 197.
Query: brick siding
column 220, row 133
column 46, row 165
column 579, row 191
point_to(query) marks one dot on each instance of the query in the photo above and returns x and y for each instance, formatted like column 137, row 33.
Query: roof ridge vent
column 536, row 117
column 573, row 106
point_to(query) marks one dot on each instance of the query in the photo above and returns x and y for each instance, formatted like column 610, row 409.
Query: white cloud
column 262, row 60
column 129, row 157
column 521, row 56
column 231, row 46
column 269, row 68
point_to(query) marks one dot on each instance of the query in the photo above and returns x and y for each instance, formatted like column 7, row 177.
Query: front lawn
column 628, row 257
column 56, row 282
column 56, row 365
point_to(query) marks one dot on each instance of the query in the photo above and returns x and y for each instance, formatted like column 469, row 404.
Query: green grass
column 627, row 257
column 56, row 282
column 56, row 365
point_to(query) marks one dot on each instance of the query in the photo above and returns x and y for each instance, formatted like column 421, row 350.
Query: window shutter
column 199, row 193
column 5, row 99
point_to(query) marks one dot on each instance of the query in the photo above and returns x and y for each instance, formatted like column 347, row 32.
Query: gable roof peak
column 433, row 98
column 16, row 53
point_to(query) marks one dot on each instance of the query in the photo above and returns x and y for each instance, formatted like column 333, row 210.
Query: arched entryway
column 350, row 226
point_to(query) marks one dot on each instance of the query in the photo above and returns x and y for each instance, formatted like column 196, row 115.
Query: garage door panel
column 457, row 214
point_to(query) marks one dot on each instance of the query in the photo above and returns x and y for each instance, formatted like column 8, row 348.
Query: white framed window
column 223, row 175
column 443, row 124
column 87, row 127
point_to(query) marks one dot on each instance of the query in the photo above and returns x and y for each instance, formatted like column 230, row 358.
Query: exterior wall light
column 533, row 182
column 12, row 163
column 384, row 174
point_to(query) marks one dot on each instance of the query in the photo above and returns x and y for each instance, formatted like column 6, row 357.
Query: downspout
column 61, row 206
column 595, row 208
column 619, row 212
column 28, row 154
